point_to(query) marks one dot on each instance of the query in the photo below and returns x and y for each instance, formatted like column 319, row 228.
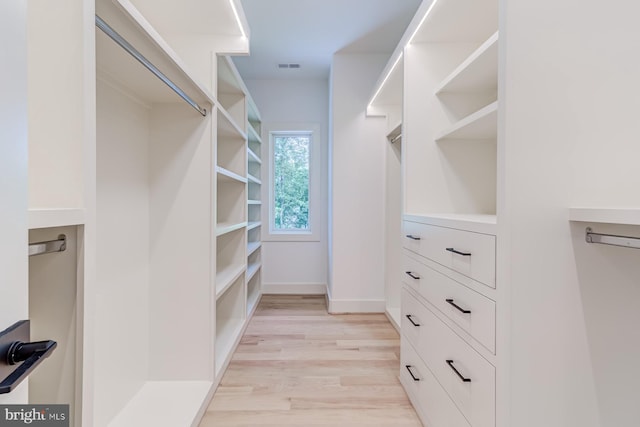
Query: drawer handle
column 411, row 372
column 462, row 310
column 412, row 237
column 410, row 317
column 450, row 363
column 458, row 252
column 413, row 276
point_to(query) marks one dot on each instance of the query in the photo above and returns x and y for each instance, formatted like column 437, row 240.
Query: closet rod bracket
column 612, row 239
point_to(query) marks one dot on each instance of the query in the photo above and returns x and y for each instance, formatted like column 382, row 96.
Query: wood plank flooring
column 299, row 366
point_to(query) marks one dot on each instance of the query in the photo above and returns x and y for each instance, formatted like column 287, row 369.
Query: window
column 291, row 155
column 293, row 186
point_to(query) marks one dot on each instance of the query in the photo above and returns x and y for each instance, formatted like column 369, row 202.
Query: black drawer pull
column 458, row 252
column 450, row 363
column 410, row 317
column 412, row 237
column 413, row 276
column 450, row 301
column 411, row 372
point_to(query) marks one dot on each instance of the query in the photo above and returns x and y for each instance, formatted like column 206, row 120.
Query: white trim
column 335, row 306
column 315, row 184
column 294, row 288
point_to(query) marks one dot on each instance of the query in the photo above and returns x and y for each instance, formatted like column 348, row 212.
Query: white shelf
column 252, row 247
column 252, row 302
column 226, row 227
column 478, row 73
column 254, row 202
column 254, row 224
column 253, row 135
column 227, row 126
column 228, row 176
column 184, row 398
column 479, row 223
column 48, row 218
column 626, row 216
column 226, row 277
column 117, row 66
column 483, row 124
column 252, row 269
column 253, row 179
column 253, row 157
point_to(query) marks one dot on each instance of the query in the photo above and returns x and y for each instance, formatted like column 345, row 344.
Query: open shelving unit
column 453, row 111
column 238, row 182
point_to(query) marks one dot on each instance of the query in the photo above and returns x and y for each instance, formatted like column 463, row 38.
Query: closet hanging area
column 155, row 319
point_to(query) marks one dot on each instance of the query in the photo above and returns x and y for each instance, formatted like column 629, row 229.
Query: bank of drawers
column 438, row 265
column 468, row 253
column 466, row 377
column 472, row 311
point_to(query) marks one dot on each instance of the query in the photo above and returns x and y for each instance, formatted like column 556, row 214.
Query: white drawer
column 468, row 253
column 473, row 312
column 467, row 377
column 429, row 398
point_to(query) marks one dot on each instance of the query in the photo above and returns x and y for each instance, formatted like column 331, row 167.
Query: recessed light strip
column 235, row 13
column 421, row 22
column 395, row 64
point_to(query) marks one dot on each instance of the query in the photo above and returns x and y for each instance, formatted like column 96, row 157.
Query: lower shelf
column 182, row 402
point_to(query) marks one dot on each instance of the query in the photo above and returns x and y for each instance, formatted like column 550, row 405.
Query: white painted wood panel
column 433, row 243
column 433, row 405
column 437, row 288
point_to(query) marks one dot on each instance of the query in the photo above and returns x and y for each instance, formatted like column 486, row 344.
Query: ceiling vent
column 284, row 66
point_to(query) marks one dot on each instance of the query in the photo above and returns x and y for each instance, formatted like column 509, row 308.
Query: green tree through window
column 291, row 181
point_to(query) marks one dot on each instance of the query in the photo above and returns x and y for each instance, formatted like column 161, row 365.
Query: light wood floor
column 299, row 366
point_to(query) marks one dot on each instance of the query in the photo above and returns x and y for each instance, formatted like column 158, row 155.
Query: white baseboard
column 294, row 288
column 338, row 306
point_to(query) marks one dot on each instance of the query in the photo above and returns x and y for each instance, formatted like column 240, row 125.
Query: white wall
column 294, row 267
column 571, row 139
column 357, row 167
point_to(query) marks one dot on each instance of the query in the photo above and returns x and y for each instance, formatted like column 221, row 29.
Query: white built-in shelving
column 483, row 124
column 612, row 215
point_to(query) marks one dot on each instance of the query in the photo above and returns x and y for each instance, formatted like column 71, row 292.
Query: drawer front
column 468, row 253
column 467, row 377
column 429, row 398
column 411, row 311
column 473, row 312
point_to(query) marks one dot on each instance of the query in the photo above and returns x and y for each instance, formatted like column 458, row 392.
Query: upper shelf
column 220, row 18
column 117, row 66
column 227, row 126
column 483, row 124
column 478, row 73
column 48, row 218
column 627, row 216
column 454, row 21
column 253, row 135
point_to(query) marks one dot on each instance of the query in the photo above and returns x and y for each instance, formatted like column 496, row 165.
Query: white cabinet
column 519, row 130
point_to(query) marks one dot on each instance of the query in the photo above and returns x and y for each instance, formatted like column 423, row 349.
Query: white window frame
column 269, row 234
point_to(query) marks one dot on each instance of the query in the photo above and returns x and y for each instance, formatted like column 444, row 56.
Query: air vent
column 284, row 66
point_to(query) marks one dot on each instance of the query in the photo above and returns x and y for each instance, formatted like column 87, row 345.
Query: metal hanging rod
column 148, row 65
column 59, row 245
column 395, row 138
column 610, row 239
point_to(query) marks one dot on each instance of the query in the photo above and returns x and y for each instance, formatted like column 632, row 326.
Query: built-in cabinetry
column 517, row 148
column 138, row 155
column 448, row 100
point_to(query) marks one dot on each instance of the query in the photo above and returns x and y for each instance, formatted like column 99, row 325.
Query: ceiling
column 309, row 32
